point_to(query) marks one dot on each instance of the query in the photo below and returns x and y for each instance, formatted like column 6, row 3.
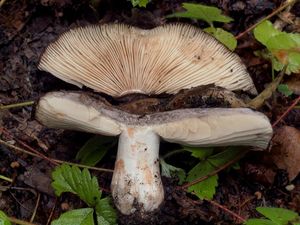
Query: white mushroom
column 136, row 182
column 118, row 60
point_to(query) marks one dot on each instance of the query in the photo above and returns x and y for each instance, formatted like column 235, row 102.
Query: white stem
column 136, row 182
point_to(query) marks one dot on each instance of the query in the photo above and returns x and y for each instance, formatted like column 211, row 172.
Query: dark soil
column 27, row 27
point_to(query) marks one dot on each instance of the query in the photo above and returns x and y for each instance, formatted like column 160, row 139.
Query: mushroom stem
column 136, row 182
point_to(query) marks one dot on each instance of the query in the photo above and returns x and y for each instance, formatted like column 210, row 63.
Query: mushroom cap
column 117, row 59
column 194, row 127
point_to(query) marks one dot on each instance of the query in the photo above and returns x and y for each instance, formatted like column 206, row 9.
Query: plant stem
column 22, row 104
column 6, row 178
column 53, row 160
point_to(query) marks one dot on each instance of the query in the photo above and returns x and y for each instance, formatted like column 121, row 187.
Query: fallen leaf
column 294, row 84
column 285, row 152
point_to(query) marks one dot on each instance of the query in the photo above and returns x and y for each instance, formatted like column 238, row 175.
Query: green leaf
column 280, row 41
column 199, row 152
column 4, row 219
column 224, row 157
column 140, row 3
column 76, row 217
column 209, row 14
column 264, row 31
column 105, row 212
column 94, row 150
column 223, row 36
column 260, row 222
column 72, row 179
column 284, row 89
column 278, row 215
column 206, row 188
column 168, row 170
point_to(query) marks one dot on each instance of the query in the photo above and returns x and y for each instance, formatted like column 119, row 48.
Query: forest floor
column 27, row 27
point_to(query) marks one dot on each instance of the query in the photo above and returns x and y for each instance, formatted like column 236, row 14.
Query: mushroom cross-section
column 136, row 182
column 118, row 60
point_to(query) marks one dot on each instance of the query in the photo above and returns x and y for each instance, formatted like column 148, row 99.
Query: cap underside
column 117, row 59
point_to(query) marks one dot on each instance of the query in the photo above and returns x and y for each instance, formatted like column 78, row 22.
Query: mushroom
column 119, row 60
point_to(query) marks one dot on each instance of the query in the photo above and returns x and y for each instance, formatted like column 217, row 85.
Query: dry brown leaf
column 294, row 84
column 285, row 152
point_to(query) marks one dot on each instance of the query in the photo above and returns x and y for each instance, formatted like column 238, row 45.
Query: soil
column 27, row 27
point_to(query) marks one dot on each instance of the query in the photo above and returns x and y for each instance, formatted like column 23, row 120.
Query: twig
column 215, row 171
column 286, row 4
column 53, row 160
column 286, row 112
column 36, row 207
column 22, row 104
column 226, row 210
column 6, row 132
column 51, row 213
column 6, row 178
column 20, row 222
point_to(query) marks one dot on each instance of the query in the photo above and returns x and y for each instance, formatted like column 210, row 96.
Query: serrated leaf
column 76, row 217
column 206, row 188
column 72, row 179
column 209, row 14
column 105, row 212
column 4, row 219
column 94, row 150
column 199, row 152
column 284, row 89
column 264, row 31
column 278, row 215
column 168, row 170
column 260, row 222
column 223, row 36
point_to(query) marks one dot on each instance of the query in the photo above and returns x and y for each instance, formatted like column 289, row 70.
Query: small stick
column 226, row 210
column 36, row 207
column 6, row 178
column 51, row 213
column 286, row 112
column 286, row 4
column 53, row 160
column 22, row 104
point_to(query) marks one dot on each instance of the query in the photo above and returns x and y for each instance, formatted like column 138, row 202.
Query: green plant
column 210, row 161
column 282, row 49
column 275, row 216
column 81, row 183
column 95, row 149
column 210, row 15
column 140, row 3
column 4, row 219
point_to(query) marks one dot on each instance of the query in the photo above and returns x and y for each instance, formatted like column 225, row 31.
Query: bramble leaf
column 94, row 150
column 278, row 215
column 168, row 170
column 199, row 152
column 72, row 179
column 223, row 36
column 105, row 212
column 209, row 14
column 76, row 217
